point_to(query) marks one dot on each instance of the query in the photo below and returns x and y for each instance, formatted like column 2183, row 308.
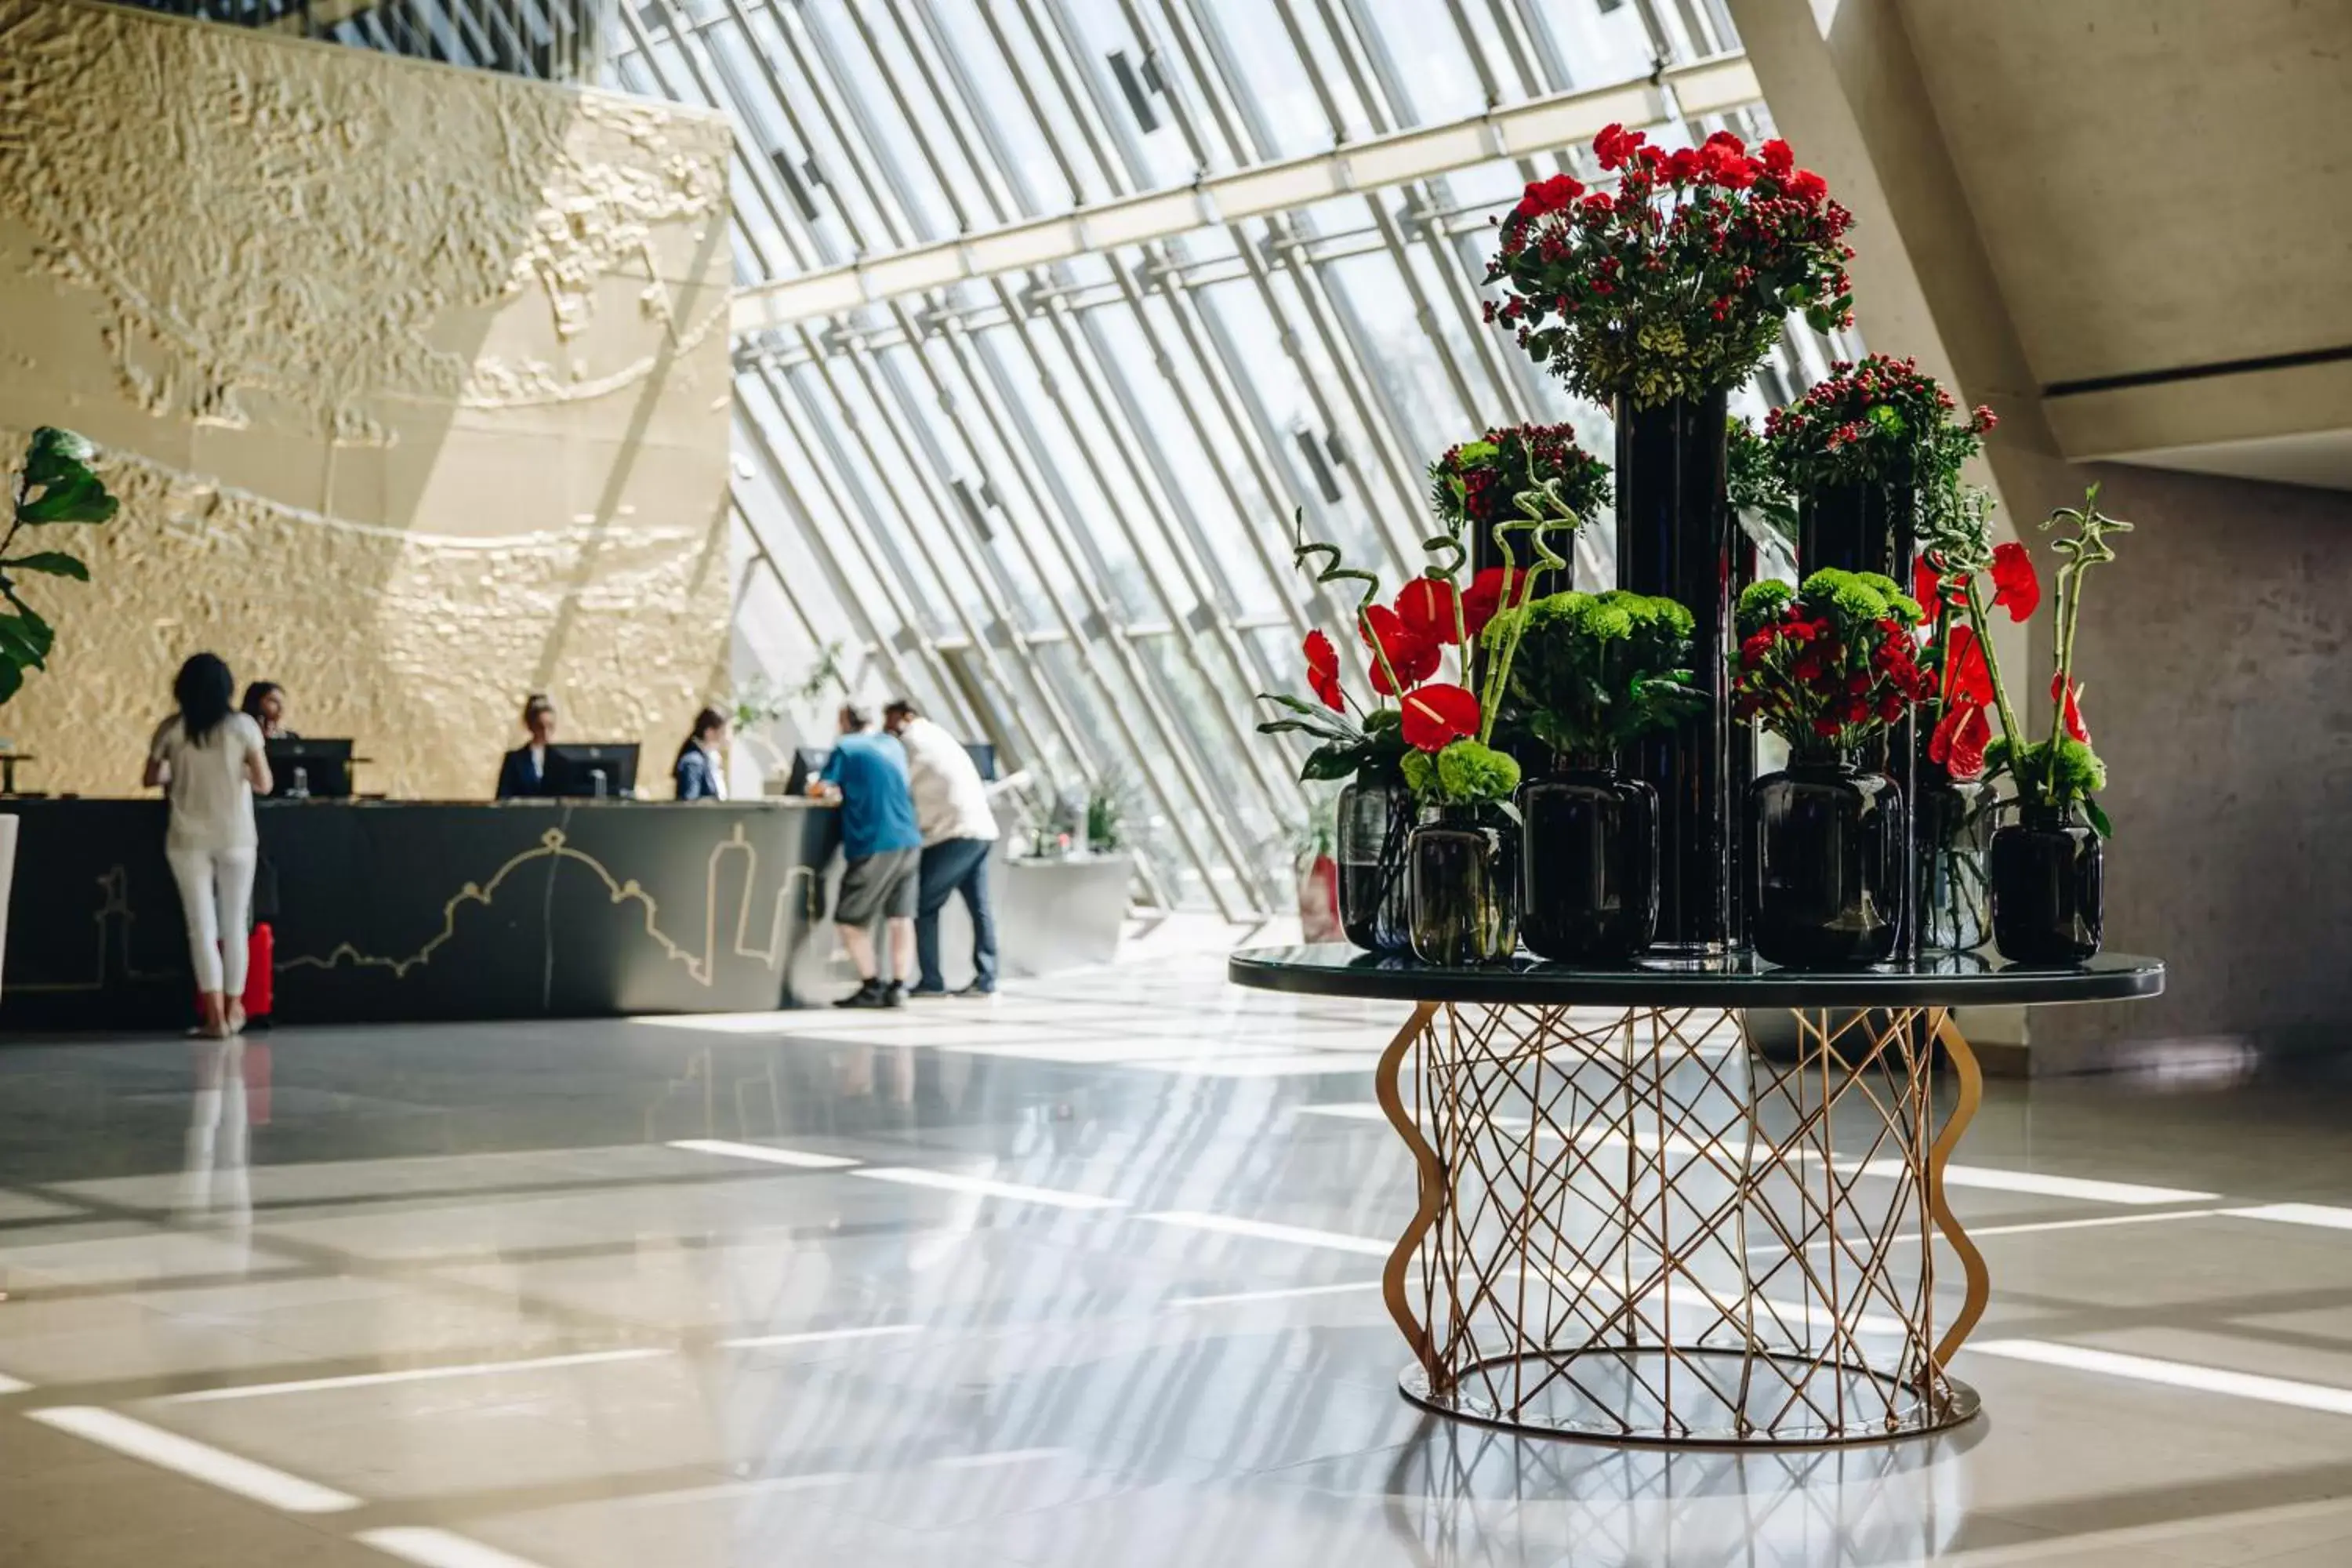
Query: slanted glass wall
column 1045, row 485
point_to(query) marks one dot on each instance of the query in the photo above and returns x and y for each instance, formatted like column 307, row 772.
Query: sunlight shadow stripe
column 197, row 1461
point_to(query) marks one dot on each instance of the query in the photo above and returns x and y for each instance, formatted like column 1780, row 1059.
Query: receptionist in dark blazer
column 526, row 770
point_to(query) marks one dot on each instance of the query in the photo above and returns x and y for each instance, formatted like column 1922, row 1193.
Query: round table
column 1642, row 1220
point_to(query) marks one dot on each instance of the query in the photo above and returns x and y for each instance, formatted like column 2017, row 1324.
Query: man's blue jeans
column 955, row 866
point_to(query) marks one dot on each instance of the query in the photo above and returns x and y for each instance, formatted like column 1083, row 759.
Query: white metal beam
column 1709, row 87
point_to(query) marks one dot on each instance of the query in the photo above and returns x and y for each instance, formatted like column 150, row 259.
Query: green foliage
column 57, row 485
column 1371, row 752
column 1597, row 671
column 2058, row 774
column 1753, row 481
column 1850, row 599
column 1466, row 773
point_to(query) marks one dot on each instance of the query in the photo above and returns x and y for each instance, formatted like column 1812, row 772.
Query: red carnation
column 1959, row 741
column 1807, row 185
column 1616, row 145
column 1778, row 159
column 1323, row 671
column 1683, row 166
column 2017, row 587
column 1435, row 717
column 2072, row 716
column 1427, row 606
column 1551, row 196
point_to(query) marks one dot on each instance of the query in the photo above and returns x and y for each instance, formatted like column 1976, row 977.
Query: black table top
column 1960, row 980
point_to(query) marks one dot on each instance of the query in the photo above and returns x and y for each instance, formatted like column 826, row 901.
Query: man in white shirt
column 959, row 828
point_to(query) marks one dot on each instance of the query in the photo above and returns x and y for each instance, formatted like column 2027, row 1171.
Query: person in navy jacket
column 526, row 769
column 700, row 772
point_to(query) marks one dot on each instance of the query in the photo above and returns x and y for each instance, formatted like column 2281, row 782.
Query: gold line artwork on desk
column 113, row 919
column 552, row 844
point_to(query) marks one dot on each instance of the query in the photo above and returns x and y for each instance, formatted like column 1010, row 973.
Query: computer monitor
column 599, row 768
column 319, row 769
column 808, row 762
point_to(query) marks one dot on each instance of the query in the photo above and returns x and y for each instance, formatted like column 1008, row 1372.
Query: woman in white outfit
column 210, row 759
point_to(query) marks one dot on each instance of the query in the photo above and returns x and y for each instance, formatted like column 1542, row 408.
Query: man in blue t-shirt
column 884, row 851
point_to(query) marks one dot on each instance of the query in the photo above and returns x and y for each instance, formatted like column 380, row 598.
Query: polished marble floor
column 1083, row 1275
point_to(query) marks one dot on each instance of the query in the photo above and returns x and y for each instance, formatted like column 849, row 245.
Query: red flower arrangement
column 1477, row 484
column 1831, row 665
column 1677, row 284
column 2063, row 772
column 1879, row 420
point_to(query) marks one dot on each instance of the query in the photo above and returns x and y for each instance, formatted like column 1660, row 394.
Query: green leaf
column 50, row 562
column 25, row 639
column 59, row 484
column 12, row 677
column 1326, row 763
column 2099, row 823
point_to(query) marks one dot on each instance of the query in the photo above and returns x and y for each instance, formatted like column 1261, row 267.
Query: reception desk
column 395, row 910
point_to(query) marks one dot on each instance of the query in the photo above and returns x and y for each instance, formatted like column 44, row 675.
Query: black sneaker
column 976, row 989
column 893, row 994
column 866, row 995
column 928, row 993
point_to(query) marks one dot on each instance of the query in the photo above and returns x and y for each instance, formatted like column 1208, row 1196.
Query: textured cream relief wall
column 413, row 380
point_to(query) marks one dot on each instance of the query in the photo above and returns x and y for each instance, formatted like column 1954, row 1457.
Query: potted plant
column 1475, row 486
column 1595, row 673
column 1465, row 852
column 56, row 485
column 2047, row 867
column 1363, row 745
column 1861, row 453
column 1657, row 299
column 1827, row 668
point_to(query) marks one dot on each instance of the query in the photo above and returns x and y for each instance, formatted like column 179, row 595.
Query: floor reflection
column 217, row 1184
column 1603, row 1506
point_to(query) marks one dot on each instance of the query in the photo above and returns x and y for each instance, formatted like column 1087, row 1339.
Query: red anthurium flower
column 2017, row 587
column 1959, row 741
column 1485, row 597
column 1966, row 677
column 1926, row 582
column 2073, row 717
column 1323, row 671
column 1415, row 657
column 1426, row 607
column 1436, row 716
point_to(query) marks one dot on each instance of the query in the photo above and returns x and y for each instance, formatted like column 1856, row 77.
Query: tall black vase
column 1674, row 540
column 1866, row 526
column 1872, row 525
column 2049, row 890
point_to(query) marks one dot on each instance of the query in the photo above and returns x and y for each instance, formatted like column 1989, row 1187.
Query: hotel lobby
column 1538, row 782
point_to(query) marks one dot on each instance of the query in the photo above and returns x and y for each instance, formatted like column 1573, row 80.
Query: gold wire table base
column 1637, row 1225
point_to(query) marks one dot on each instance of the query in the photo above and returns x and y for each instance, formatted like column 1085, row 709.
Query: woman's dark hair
column 255, row 695
column 204, row 688
column 710, row 719
column 537, row 703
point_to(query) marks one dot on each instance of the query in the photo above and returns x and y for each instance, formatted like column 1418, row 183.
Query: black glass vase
column 1827, row 845
column 1675, row 530
column 2049, row 893
column 1951, row 827
column 1587, row 864
column 1865, row 526
column 1464, row 875
column 1375, row 823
